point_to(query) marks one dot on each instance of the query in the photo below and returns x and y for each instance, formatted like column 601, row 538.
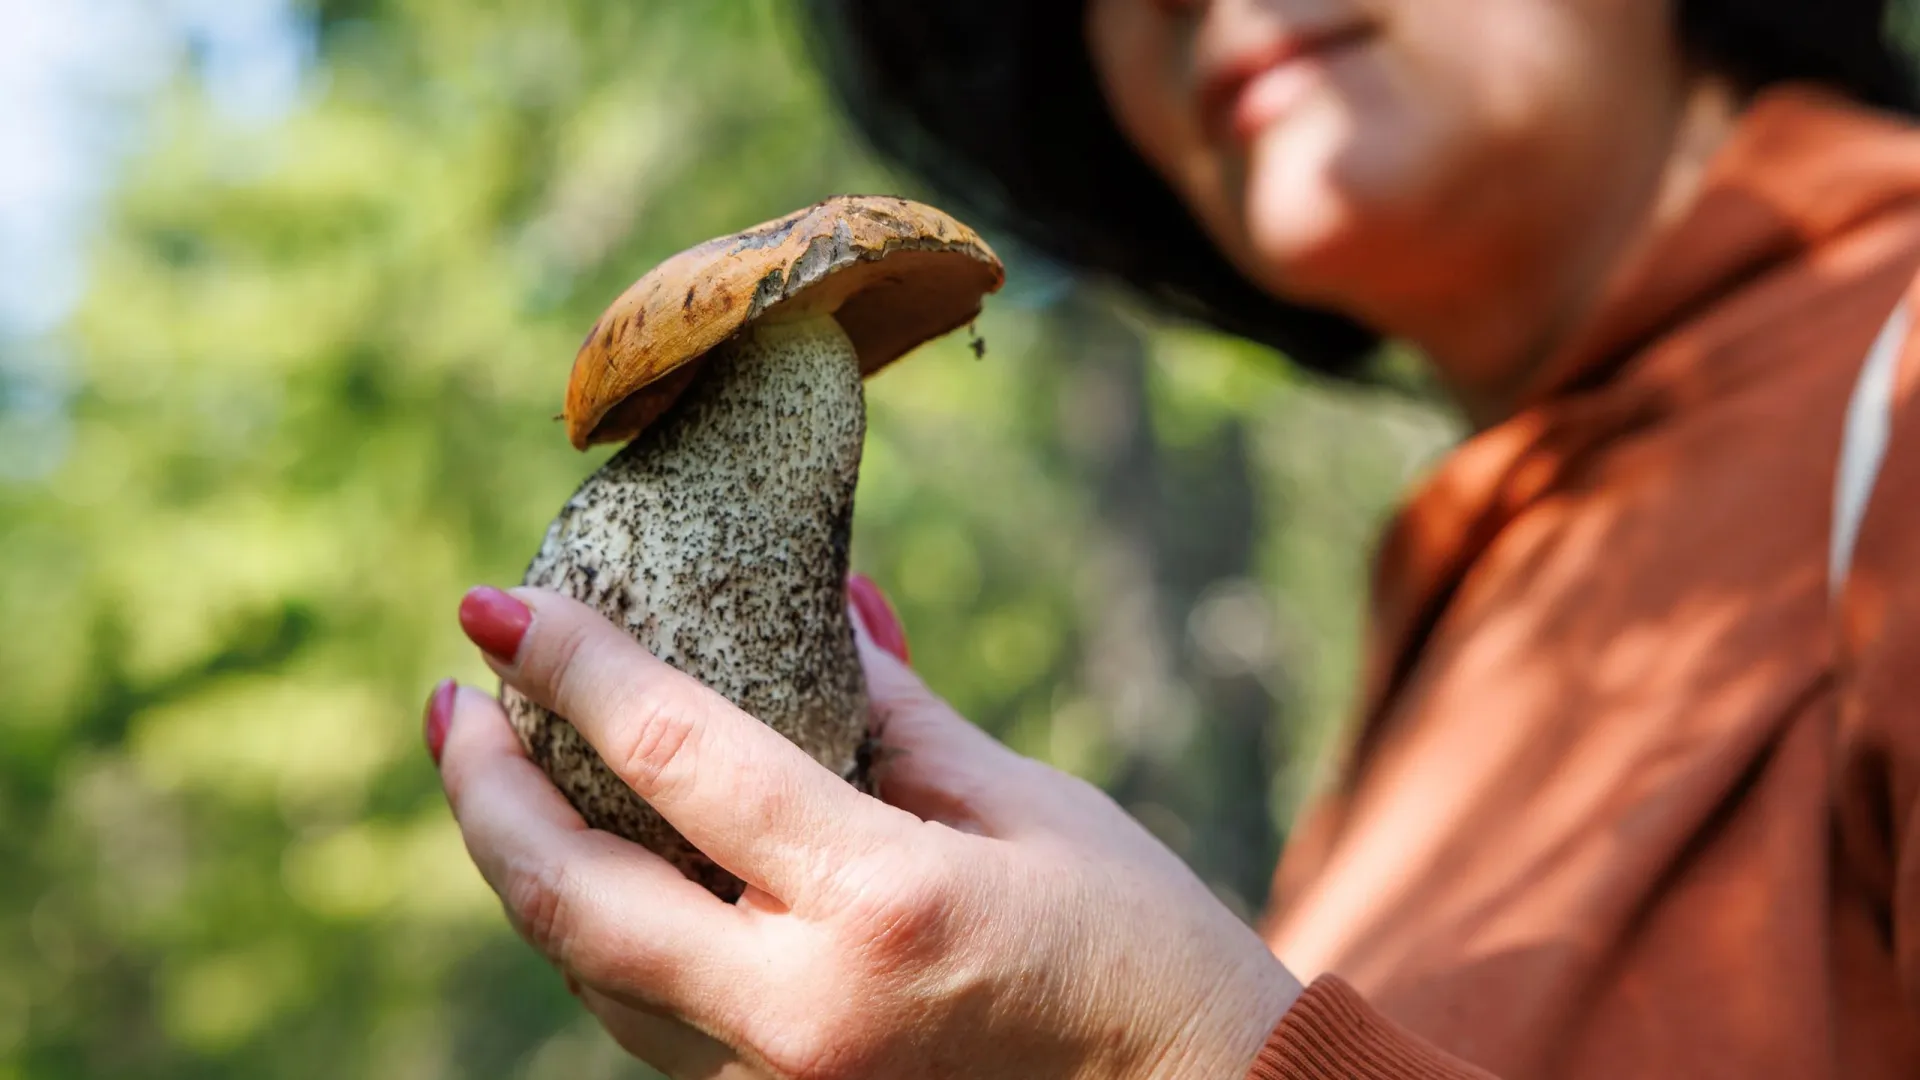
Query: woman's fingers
column 665, row 1043
column 931, row 762
column 611, row 911
column 739, row 791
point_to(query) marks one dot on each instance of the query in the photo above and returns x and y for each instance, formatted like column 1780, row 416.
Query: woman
column 1638, row 776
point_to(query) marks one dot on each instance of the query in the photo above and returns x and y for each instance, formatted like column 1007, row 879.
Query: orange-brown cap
column 894, row 273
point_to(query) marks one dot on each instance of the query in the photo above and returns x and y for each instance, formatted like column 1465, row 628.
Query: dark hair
column 994, row 105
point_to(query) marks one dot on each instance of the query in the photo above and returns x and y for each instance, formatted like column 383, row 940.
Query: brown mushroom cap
column 894, row 273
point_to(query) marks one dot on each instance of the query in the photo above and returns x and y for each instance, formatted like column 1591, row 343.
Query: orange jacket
column 1632, row 795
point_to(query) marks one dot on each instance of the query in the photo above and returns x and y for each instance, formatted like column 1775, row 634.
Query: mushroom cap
column 895, row 273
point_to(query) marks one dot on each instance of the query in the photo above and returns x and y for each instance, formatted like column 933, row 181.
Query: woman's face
column 1383, row 157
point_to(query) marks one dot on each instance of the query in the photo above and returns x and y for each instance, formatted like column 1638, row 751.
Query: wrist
column 1227, row 1032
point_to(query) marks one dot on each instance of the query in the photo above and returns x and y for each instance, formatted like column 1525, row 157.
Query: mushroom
column 718, row 536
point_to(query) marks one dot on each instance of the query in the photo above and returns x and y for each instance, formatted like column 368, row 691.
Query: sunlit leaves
column 309, row 398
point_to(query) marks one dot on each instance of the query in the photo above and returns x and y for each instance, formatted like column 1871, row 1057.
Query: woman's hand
column 999, row 919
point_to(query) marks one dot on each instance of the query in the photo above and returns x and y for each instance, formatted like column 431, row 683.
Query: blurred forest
column 306, row 399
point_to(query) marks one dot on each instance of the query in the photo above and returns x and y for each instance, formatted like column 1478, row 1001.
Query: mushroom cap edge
column 895, row 273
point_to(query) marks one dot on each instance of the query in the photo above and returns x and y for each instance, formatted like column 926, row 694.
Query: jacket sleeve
column 1331, row 1033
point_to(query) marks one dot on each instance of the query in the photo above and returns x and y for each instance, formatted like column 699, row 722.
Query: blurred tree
column 1173, row 539
column 313, row 380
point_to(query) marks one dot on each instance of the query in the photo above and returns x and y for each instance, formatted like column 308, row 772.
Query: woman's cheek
column 1329, row 179
column 1363, row 198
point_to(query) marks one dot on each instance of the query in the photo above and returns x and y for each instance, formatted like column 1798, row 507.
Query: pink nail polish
column 440, row 717
column 495, row 621
column 883, row 626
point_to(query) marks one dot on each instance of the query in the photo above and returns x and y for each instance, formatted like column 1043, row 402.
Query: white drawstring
column 1864, row 446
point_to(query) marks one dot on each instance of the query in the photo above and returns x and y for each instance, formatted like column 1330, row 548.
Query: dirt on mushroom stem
column 718, row 538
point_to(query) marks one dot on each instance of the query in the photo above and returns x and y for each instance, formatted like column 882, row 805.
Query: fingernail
column 440, row 716
column 883, row 626
column 495, row 621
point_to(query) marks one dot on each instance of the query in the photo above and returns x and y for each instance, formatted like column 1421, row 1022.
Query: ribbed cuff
column 1331, row 1033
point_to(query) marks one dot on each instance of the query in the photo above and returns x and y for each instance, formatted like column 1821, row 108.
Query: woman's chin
column 1302, row 245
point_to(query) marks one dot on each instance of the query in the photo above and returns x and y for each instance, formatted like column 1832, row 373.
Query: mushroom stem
column 718, row 538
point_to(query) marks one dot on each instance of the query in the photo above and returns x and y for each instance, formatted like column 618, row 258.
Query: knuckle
column 897, row 917
column 566, row 920
column 655, row 734
column 558, row 916
column 537, row 902
column 896, row 948
column 836, row 1045
column 558, row 665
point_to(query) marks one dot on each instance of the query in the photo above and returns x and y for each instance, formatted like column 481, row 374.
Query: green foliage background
column 312, row 383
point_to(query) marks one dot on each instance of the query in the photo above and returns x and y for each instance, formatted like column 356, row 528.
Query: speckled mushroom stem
column 718, row 539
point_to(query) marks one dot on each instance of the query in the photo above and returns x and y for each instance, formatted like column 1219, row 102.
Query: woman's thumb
column 930, row 761
column 877, row 617
column 892, row 686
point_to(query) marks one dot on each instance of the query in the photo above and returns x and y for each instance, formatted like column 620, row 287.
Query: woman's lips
column 1258, row 88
